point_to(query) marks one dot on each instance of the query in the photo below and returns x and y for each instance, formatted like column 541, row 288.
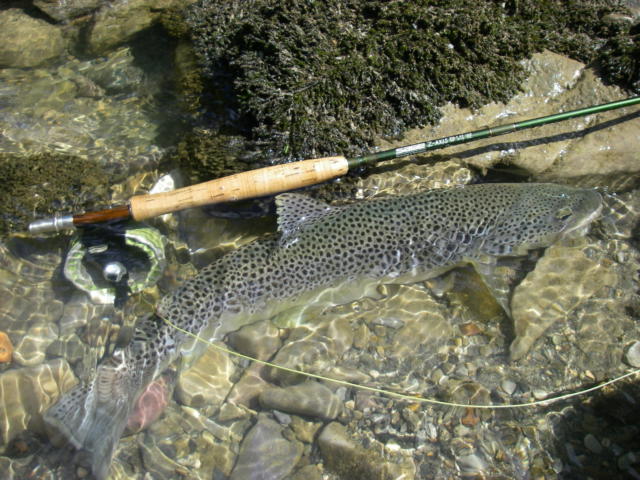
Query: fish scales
column 323, row 255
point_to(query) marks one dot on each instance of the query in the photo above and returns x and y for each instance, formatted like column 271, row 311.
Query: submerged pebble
column 25, row 393
column 508, row 386
column 310, row 398
column 207, row 382
column 265, row 454
column 632, row 354
column 6, row 348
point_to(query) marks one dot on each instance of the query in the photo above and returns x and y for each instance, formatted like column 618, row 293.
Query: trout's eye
column 564, row 213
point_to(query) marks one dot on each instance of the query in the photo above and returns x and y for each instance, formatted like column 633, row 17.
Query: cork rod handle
column 251, row 184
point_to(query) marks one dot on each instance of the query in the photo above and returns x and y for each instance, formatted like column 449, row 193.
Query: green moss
column 43, row 184
column 172, row 20
column 619, row 62
column 206, row 154
column 322, row 77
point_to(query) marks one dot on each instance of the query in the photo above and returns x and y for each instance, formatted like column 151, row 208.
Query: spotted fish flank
column 322, row 256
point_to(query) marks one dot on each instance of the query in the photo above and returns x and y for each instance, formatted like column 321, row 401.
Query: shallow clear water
column 445, row 339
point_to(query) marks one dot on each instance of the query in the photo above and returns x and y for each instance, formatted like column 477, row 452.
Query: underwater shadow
column 600, row 437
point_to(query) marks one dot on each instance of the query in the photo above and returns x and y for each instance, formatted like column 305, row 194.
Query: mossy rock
column 207, row 154
column 619, row 61
column 47, row 183
column 324, row 77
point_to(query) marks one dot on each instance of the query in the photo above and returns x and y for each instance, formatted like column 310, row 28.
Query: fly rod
column 288, row 176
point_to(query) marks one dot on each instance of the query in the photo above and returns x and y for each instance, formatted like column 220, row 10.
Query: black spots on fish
column 388, row 236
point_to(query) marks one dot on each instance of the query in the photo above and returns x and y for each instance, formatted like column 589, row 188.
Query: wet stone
column 592, row 444
column 70, row 347
column 31, row 348
column 207, row 382
column 64, row 10
column 347, row 458
column 6, row 348
column 564, row 278
column 26, row 393
column 119, row 21
column 265, row 454
column 305, row 350
column 304, row 431
column 246, row 391
column 310, row 398
column 26, row 41
column 258, row 340
column 508, row 386
column 632, row 354
column 308, row 472
column 471, row 465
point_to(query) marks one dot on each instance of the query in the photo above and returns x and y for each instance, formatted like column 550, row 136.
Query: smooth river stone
column 119, row 20
column 26, row 41
column 310, row 398
column 207, row 382
column 65, row 10
column 345, row 457
column 31, row 348
column 258, row 340
column 564, row 278
column 265, row 454
column 26, row 393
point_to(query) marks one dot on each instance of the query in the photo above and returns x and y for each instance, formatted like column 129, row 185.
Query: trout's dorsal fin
column 295, row 211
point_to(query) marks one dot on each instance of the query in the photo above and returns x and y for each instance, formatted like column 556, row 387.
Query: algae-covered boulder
column 326, row 77
column 44, row 184
column 120, row 20
column 65, row 10
column 26, row 41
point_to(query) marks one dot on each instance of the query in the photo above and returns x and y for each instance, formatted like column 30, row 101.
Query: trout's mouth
column 590, row 210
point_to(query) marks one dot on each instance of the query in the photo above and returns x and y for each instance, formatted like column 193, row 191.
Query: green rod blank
column 443, row 142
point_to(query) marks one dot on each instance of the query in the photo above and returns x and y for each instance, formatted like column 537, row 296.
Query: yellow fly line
column 403, row 396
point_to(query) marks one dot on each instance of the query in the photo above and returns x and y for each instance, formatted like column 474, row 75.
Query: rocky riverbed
column 575, row 307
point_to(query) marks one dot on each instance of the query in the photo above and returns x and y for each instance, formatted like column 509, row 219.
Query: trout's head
column 541, row 214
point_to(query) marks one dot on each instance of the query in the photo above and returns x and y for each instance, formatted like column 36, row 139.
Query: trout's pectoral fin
column 499, row 277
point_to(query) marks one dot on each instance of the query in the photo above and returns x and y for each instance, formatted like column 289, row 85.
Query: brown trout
column 322, row 256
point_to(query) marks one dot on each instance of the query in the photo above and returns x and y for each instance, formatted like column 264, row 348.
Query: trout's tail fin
column 92, row 417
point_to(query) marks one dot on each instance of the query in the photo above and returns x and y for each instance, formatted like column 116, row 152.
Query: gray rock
column 471, row 465
column 592, row 444
column 258, row 340
column 65, row 10
column 25, row 393
column 310, row 398
column 347, row 458
column 632, row 354
column 206, row 383
column 265, row 454
column 310, row 472
column 27, row 41
column 117, row 73
column 30, row 350
column 508, row 386
column 118, row 21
